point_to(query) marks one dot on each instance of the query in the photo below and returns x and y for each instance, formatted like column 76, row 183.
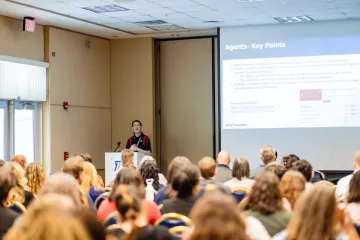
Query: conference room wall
column 186, row 99
column 132, row 88
column 81, row 77
column 16, row 43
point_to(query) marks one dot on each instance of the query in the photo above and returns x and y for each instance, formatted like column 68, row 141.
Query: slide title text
column 259, row 46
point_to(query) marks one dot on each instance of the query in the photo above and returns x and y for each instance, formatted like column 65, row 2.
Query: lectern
column 113, row 163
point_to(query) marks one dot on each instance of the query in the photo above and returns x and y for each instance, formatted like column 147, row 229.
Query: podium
column 113, row 164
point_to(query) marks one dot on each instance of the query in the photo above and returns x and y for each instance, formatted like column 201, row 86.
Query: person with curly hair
column 36, row 177
column 149, row 170
column 265, row 204
column 292, row 185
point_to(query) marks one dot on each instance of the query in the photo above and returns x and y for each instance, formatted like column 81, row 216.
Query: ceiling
column 183, row 17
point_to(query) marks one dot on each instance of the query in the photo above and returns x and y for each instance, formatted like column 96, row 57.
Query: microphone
column 118, row 145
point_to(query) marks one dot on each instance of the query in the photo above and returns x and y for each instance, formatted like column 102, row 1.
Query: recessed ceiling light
column 293, row 19
column 105, row 8
column 175, row 35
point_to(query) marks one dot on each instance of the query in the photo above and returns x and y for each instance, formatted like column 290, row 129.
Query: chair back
column 112, row 219
column 318, row 176
column 101, row 198
column 170, row 220
column 178, row 231
column 107, row 189
column 18, row 207
column 239, row 193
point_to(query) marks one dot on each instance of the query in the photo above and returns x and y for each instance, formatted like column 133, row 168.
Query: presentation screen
column 295, row 87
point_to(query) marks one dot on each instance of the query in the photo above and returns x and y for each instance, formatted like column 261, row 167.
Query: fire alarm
column 65, row 105
column 66, row 156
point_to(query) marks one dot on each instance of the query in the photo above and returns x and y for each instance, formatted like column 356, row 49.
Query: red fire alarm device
column 66, row 156
column 65, row 105
column 29, row 24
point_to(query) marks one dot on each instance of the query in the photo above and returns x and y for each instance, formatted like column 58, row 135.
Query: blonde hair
column 314, row 215
column 90, row 178
column 49, row 217
column 18, row 191
column 267, row 154
column 292, row 185
column 207, row 167
column 20, row 159
column 65, row 184
column 36, row 177
column 127, row 158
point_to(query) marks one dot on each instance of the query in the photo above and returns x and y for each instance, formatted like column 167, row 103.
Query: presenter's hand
column 134, row 148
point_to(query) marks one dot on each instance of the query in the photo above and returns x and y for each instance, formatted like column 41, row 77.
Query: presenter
column 139, row 142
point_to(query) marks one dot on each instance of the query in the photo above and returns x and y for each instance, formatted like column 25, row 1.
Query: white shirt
column 255, row 229
column 235, row 183
column 342, row 187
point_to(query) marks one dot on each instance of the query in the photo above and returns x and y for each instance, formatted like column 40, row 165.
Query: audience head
column 186, row 182
column 314, row 215
column 145, row 158
column 292, row 186
column 127, row 158
column 18, row 191
column 136, row 125
column 277, row 168
column 36, row 177
column 207, row 167
column 21, row 160
column 264, row 196
column 214, row 217
column 85, row 156
column 223, row 158
column 267, row 154
column 176, row 165
column 354, row 188
column 127, row 176
column 2, row 163
column 95, row 228
column 241, row 168
column 357, row 160
column 305, row 168
column 64, row 184
column 49, row 217
column 7, row 182
column 75, row 167
column 90, row 178
column 150, row 170
column 289, row 160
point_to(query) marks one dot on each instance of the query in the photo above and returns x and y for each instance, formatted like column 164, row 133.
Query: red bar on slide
column 310, row 94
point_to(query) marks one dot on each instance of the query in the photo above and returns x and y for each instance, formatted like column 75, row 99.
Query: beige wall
column 81, row 77
column 14, row 42
column 132, row 88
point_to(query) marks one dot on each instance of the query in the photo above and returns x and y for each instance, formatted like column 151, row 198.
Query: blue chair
column 101, row 198
column 239, row 193
column 170, row 220
column 112, row 219
column 18, row 207
column 178, row 231
column 318, row 176
column 107, row 189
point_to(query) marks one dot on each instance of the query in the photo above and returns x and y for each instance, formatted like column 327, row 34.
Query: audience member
column 214, row 217
column 7, row 216
column 133, row 223
column 95, row 229
column 353, row 199
column 2, row 163
column 21, row 160
column 36, row 177
column 21, row 190
column 162, row 179
column 342, row 188
column 267, row 155
column 240, row 174
column 289, row 160
column 315, row 217
column 223, row 170
column 127, row 158
column 277, row 168
column 186, row 184
column 90, row 183
column 176, row 165
column 292, row 186
column 149, row 170
column 87, row 158
column 49, row 217
column 75, row 167
column 306, row 169
column 64, row 184
column 132, row 177
column 264, row 203
column 207, row 168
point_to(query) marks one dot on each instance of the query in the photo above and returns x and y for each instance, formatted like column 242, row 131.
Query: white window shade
column 22, row 79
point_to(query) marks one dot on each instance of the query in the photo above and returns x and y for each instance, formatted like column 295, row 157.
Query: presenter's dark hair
column 136, row 121
column 185, row 181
